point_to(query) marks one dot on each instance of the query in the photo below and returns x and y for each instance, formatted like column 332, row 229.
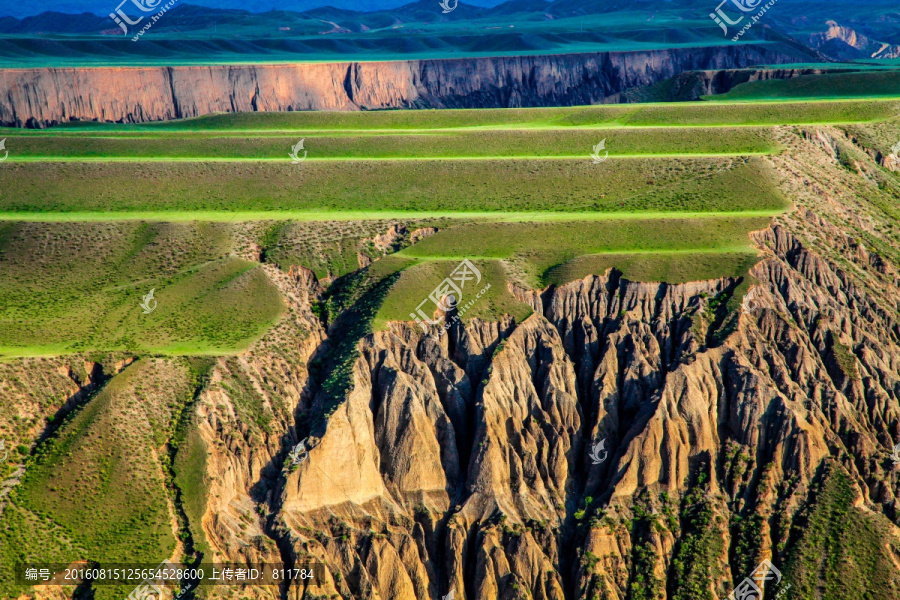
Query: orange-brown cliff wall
column 41, row 97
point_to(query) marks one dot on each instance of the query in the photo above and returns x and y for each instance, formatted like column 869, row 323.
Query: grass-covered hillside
column 95, row 216
column 68, row 287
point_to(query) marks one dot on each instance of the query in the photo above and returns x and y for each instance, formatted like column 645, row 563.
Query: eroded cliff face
column 470, row 462
column 464, row 463
column 42, row 97
column 845, row 43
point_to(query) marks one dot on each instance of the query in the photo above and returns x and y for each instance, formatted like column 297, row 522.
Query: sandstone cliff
column 42, row 97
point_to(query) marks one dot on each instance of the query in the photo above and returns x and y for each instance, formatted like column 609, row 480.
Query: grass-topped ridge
column 682, row 114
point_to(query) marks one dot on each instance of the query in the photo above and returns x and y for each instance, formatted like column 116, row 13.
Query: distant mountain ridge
column 382, row 30
column 103, row 7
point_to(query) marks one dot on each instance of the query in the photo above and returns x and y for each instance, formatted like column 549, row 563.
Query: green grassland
column 464, row 144
column 673, row 250
column 867, row 84
column 667, row 266
column 68, row 288
column 83, row 238
column 425, row 187
column 538, row 247
column 416, row 282
column 683, row 114
column 837, row 550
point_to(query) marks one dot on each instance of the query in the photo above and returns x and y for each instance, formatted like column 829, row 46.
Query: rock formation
column 47, row 96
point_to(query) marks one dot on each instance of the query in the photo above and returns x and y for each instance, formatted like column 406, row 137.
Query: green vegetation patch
column 538, row 247
column 99, row 484
column 669, row 267
column 837, row 550
column 546, row 185
column 79, row 287
column 865, row 84
column 714, row 112
column 763, row 113
column 193, row 483
column 416, row 283
column 465, row 144
column 697, row 560
column 330, row 248
column 349, row 308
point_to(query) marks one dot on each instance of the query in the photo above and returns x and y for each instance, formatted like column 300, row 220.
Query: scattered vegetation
column 467, row 144
column 714, row 113
column 837, row 551
column 385, row 189
column 698, row 553
column 417, row 282
column 862, row 84
column 107, row 457
column 80, row 287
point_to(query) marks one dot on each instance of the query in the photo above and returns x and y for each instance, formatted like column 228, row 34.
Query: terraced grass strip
column 647, row 185
column 669, row 267
column 416, row 283
column 539, row 247
column 708, row 113
column 311, row 217
column 525, row 144
column 869, row 84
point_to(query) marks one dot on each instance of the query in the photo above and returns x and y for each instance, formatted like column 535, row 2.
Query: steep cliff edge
column 43, row 97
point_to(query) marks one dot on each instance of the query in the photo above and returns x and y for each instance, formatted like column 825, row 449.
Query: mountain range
column 191, row 33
